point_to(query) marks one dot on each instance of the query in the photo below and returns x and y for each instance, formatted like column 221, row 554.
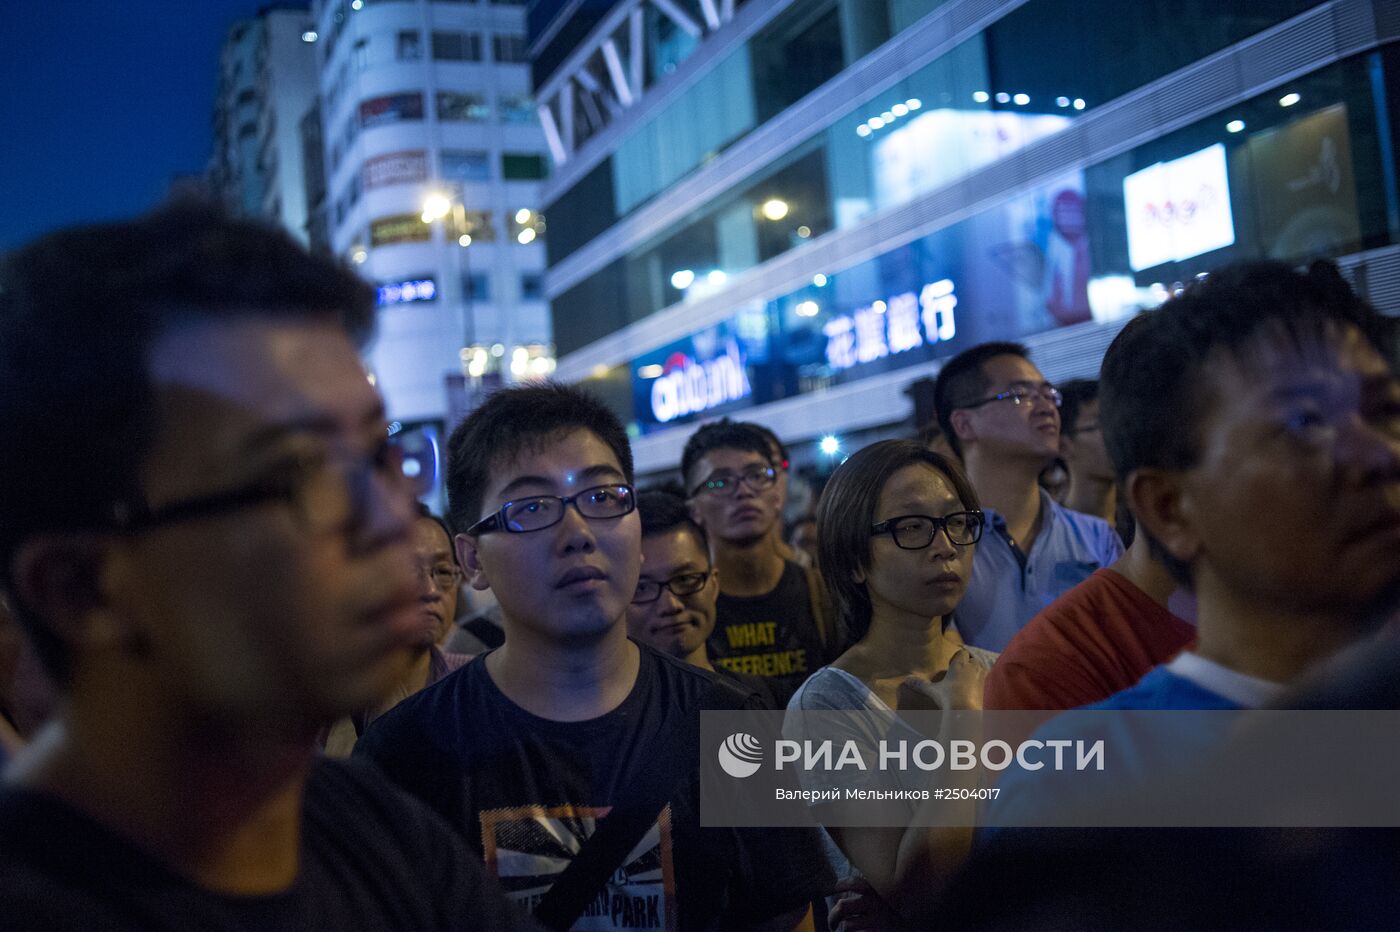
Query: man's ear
column 961, row 422
column 695, row 514
column 63, row 578
column 469, row 558
column 1162, row 506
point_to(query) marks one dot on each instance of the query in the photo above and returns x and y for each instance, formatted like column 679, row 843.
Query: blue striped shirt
column 1009, row 587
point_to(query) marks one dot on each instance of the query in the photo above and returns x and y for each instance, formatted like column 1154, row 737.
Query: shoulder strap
column 676, row 756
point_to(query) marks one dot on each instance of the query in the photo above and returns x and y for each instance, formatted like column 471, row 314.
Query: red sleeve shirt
column 1097, row 639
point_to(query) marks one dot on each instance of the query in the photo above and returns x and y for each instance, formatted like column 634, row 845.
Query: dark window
column 509, row 49
column 582, row 212
column 800, row 52
column 516, row 166
column 476, row 286
column 410, row 45
column 531, row 287
column 456, row 46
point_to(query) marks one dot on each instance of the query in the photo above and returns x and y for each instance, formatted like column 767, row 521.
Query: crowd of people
column 240, row 701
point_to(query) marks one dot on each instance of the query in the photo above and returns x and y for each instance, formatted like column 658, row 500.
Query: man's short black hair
column 1155, row 389
column 723, row 435
column 427, row 513
column 777, row 445
column 662, row 511
column 962, row 382
column 516, row 420
column 1076, row 393
column 79, row 312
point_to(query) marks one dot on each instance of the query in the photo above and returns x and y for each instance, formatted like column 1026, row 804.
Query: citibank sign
column 688, row 386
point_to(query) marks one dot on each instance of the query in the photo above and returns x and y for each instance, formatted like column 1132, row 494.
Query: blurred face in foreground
column 1294, row 500
column 295, row 597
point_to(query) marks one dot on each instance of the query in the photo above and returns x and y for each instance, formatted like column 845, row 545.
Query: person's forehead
column 732, row 458
column 669, row 548
column 281, row 368
column 915, row 483
column 562, row 459
column 1272, row 362
column 226, row 389
column 429, row 537
column 1008, row 368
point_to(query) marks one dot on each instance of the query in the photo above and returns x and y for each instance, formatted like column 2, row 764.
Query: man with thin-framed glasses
column 535, row 749
column 205, row 533
column 438, row 578
column 1002, row 418
column 674, row 608
column 772, row 617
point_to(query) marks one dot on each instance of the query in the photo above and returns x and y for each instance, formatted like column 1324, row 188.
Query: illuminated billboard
column 1178, row 209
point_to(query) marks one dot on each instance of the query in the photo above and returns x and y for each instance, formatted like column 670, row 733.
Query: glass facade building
column 789, row 211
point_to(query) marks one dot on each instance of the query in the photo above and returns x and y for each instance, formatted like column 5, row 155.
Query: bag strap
column 626, row 824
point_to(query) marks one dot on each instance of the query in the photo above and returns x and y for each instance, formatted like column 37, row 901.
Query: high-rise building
column 267, row 83
column 791, row 211
column 433, row 162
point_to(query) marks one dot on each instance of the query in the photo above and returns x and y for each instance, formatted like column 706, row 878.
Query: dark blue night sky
column 101, row 104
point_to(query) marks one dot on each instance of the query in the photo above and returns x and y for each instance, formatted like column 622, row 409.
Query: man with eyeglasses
column 772, row 619
column 205, row 532
column 1002, row 418
column 438, row 577
column 778, row 454
column 674, row 608
column 569, row 755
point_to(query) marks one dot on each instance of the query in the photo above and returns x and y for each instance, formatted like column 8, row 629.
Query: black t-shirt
column 773, row 636
column 371, row 859
column 527, row 791
column 752, row 684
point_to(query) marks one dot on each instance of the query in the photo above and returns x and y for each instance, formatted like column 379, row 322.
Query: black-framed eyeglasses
column 1022, row 396
column 649, row 590
column 444, row 575
column 541, row 511
column 328, row 491
column 915, row 532
column 758, row 478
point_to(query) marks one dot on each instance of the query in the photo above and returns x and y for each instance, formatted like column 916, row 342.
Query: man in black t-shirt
column 772, row 618
column 530, row 748
column 206, row 536
column 674, row 608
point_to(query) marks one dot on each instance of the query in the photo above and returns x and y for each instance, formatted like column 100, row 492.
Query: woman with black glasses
column 897, row 526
